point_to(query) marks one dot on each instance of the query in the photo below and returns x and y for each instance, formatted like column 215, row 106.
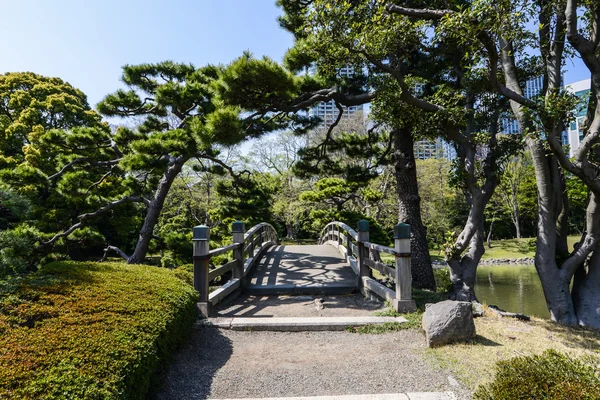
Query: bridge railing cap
column 237, row 227
column 402, row 231
column 201, row 232
column 363, row 226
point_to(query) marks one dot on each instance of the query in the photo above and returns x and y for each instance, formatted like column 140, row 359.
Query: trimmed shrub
column 90, row 330
column 551, row 375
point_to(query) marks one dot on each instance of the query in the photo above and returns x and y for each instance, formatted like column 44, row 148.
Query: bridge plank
column 381, row 267
column 224, row 291
column 380, row 248
column 221, row 250
column 379, row 289
column 221, row 270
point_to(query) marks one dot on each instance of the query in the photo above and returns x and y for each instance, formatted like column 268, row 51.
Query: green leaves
column 253, row 84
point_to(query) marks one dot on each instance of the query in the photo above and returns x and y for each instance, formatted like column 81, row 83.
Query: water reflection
column 514, row 288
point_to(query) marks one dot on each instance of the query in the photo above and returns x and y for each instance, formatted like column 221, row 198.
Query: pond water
column 514, row 288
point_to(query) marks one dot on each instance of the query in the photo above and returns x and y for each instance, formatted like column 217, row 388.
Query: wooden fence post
column 238, row 230
column 403, row 301
column 363, row 252
column 201, row 240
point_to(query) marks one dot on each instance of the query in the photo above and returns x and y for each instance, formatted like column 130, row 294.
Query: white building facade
column 574, row 133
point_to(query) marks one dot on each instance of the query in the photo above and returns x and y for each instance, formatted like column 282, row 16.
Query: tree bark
column 586, row 282
column 517, row 220
column 463, row 268
column 409, row 208
column 289, row 227
column 154, row 210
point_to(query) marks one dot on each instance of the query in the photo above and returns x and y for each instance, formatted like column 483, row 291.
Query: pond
column 514, row 288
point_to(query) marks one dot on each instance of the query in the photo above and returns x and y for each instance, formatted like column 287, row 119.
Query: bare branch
column 419, row 13
column 81, row 160
column 116, row 250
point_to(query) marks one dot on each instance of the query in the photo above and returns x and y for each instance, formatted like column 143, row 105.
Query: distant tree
column 31, row 104
column 182, row 114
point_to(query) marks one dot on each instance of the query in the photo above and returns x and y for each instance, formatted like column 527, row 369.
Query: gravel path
column 228, row 364
column 349, row 305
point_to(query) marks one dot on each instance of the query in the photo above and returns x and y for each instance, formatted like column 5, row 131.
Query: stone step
column 292, row 324
column 330, row 288
column 389, row 396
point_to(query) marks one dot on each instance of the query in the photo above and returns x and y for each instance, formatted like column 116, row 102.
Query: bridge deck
column 302, row 270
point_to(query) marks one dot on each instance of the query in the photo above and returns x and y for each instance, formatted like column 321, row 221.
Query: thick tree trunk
column 556, row 289
column 154, row 210
column 409, row 207
column 586, row 292
column 586, row 283
column 463, row 269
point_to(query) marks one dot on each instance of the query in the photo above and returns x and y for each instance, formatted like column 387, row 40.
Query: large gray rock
column 448, row 322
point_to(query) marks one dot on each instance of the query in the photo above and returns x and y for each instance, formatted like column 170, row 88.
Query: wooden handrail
column 342, row 225
column 364, row 257
column 247, row 248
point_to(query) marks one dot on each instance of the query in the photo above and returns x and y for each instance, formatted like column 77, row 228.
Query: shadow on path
column 194, row 366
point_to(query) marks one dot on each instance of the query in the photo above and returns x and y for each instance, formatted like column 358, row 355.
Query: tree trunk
column 409, row 208
column 517, row 220
column 154, row 210
column 489, row 236
column 586, row 292
column 463, row 269
column 289, row 227
column 556, row 289
column 586, row 283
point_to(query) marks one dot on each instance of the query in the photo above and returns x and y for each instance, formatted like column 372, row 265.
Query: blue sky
column 85, row 42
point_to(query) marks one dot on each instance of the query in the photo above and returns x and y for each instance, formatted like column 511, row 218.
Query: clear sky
column 85, row 42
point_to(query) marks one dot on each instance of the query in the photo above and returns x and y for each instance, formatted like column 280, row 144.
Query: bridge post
column 238, row 230
column 403, row 301
column 201, row 239
column 363, row 252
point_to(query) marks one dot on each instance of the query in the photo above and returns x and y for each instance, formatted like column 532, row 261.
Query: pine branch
column 84, row 217
column 116, row 250
column 81, row 160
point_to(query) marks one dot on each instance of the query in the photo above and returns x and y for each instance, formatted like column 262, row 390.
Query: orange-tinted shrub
column 90, row 330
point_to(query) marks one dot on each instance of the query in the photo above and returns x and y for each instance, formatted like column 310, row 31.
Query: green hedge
column 90, row 330
column 551, row 375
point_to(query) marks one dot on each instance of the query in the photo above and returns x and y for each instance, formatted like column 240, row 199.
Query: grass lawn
column 503, row 338
column 507, row 248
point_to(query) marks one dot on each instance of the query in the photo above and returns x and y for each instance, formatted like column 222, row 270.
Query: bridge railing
column 247, row 248
column 365, row 256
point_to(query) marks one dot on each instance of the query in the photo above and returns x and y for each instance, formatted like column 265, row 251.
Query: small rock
column 448, row 322
column 477, row 309
column 319, row 304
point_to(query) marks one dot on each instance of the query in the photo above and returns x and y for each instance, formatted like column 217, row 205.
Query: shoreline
column 494, row 262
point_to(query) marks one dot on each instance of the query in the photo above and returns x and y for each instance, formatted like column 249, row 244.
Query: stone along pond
column 514, row 288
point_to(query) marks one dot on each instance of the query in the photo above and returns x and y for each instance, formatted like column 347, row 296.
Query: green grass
column 507, row 248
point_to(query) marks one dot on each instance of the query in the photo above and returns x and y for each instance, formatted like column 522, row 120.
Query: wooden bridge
column 344, row 261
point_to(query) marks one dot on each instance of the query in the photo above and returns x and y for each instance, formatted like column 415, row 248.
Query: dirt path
column 228, row 364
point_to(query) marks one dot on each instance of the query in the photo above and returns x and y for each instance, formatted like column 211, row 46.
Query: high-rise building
column 574, row 133
column 437, row 148
column 327, row 111
column 533, row 87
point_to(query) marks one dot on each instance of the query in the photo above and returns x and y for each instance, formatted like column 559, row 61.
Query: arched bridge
column 344, row 261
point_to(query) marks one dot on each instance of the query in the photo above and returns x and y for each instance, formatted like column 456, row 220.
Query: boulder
column 448, row 322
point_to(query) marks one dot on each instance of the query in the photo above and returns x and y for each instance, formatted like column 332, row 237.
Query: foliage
column 551, row 375
column 89, row 330
column 17, row 247
column 30, row 104
column 443, row 283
